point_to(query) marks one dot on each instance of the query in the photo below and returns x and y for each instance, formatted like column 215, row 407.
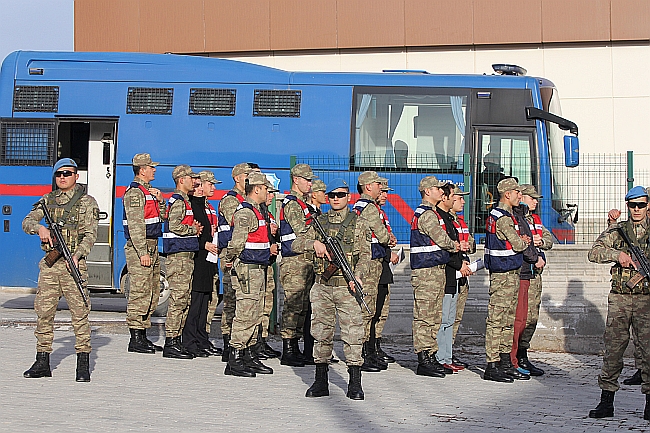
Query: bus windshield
column 556, row 150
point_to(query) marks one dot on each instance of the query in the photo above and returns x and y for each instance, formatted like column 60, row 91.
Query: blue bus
column 102, row 108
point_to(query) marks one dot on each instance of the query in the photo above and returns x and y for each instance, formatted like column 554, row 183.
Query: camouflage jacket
column 176, row 214
column 505, row 230
column 429, row 224
column 370, row 215
column 134, row 202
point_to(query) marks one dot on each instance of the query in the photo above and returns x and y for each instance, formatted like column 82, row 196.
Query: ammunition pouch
column 620, row 276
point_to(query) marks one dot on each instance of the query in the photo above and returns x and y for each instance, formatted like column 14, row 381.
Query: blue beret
column 636, row 192
column 336, row 184
column 63, row 162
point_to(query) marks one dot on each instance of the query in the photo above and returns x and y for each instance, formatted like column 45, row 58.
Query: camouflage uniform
column 626, row 307
column 333, row 296
column 144, row 281
column 180, row 267
column 80, row 233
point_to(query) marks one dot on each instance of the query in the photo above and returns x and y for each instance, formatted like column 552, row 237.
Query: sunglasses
column 638, row 205
column 339, row 194
column 64, row 173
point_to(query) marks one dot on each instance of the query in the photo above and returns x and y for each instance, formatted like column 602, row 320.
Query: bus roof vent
column 277, row 103
column 149, row 100
column 36, row 99
column 213, row 102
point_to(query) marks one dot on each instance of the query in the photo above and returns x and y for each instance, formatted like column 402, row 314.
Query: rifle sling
column 68, row 207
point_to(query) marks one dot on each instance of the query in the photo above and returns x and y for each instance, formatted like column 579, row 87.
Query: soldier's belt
column 187, row 254
column 514, row 271
column 254, row 266
column 335, row 281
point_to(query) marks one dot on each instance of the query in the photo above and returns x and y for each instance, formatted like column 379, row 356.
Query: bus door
column 91, row 143
column 500, row 153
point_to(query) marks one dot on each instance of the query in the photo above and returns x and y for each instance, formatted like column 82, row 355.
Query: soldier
column 318, row 195
column 296, row 270
column 627, row 306
column 430, row 248
column 369, row 186
column 503, row 258
column 180, row 243
column 143, row 207
column 332, row 296
column 77, row 213
column 248, row 253
column 227, row 206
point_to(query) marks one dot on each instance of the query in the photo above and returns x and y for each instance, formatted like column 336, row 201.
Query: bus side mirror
column 571, row 151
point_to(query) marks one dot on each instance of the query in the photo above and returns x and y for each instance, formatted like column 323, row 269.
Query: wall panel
column 630, row 20
column 507, row 22
column 379, row 23
column 106, row 25
column 438, row 22
column 237, row 25
column 172, row 26
column 300, row 24
column 575, row 20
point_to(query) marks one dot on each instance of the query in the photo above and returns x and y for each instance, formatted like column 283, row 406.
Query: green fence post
column 466, row 186
column 630, row 170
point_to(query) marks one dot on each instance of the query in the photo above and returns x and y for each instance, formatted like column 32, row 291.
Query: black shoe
column 253, row 363
column 226, row 348
column 493, row 373
column 213, row 350
column 381, row 354
column 236, row 366
column 137, row 343
column 40, row 368
column 83, row 367
column 198, row 352
column 505, row 365
column 150, row 343
column 355, row 392
column 290, row 353
column 605, row 408
column 269, row 351
column 646, row 411
column 457, row 361
column 635, row 379
column 429, row 366
column 522, row 360
column 320, row 387
column 174, row 349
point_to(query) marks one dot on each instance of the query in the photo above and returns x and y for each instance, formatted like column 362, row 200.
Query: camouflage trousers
column 214, row 301
column 249, row 292
column 53, row 283
column 326, row 303
column 229, row 299
column 428, row 293
column 504, row 288
column 267, row 301
column 381, row 309
column 624, row 311
column 296, row 276
column 370, row 286
column 144, row 286
column 463, row 291
column 534, row 301
column 180, row 267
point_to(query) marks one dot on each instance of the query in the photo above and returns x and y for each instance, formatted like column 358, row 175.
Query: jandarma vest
column 345, row 237
column 152, row 218
column 462, row 229
column 211, row 213
column 377, row 249
column 287, row 234
column 173, row 243
column 536, row 229
column 258, row 248
column 69, row 225
column 424, row 251
column 499, row 255
column 224, row 231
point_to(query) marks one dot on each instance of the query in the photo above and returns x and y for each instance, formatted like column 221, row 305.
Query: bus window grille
column 277, row 103
column 27, row 143
column 213, row 102
column 143, row 100
column 36, row 99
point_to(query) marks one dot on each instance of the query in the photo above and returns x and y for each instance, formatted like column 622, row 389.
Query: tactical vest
column 499, row 256
column 173, row 243
column 211, row 213
column 621, row 275
column 536, row 229
column 378, row 250
column 462, row 229
column 224, row 230
column 257, row 250
column 287, row 234
column 346, row 239
column 152, row 218
column 69, row 225
column 424, row 251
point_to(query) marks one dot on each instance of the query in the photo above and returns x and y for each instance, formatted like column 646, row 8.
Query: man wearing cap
column 143, row 209
column 429, row 255
column 318, row 195
column 296, row 270
column 248, row 253
column 626, row 306
column 530, row 284
column 227, row 207
column 503, row 258
column 77, row 213
column 369, row 187
column 332, row 296
column 180, row 242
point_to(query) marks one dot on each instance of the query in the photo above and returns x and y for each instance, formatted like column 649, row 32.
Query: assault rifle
column 61, row 249
column 640, row 260
column 339, row 262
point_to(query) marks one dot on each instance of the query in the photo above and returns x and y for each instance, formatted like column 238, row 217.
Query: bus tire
column 163, row 299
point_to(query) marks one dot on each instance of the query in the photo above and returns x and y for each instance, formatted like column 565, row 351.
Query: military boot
column 381, row 354
column 290, row 353
column 40, row 368
column 83, row 367
column 429, row 366
column 606, row 406
column 320, row 387
column 368, row 365
column 522, row 360
column 308, row 350
column 252, row 362
column 137, row 344
column 646, row 411
column 236, row 366
column 155, row 347
column 505, row 365
column 355, row 392
column 269, row 351
column 257, row 350
column 226, row 348
column 174, row 349
column 635, row 379
column 492, row 372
